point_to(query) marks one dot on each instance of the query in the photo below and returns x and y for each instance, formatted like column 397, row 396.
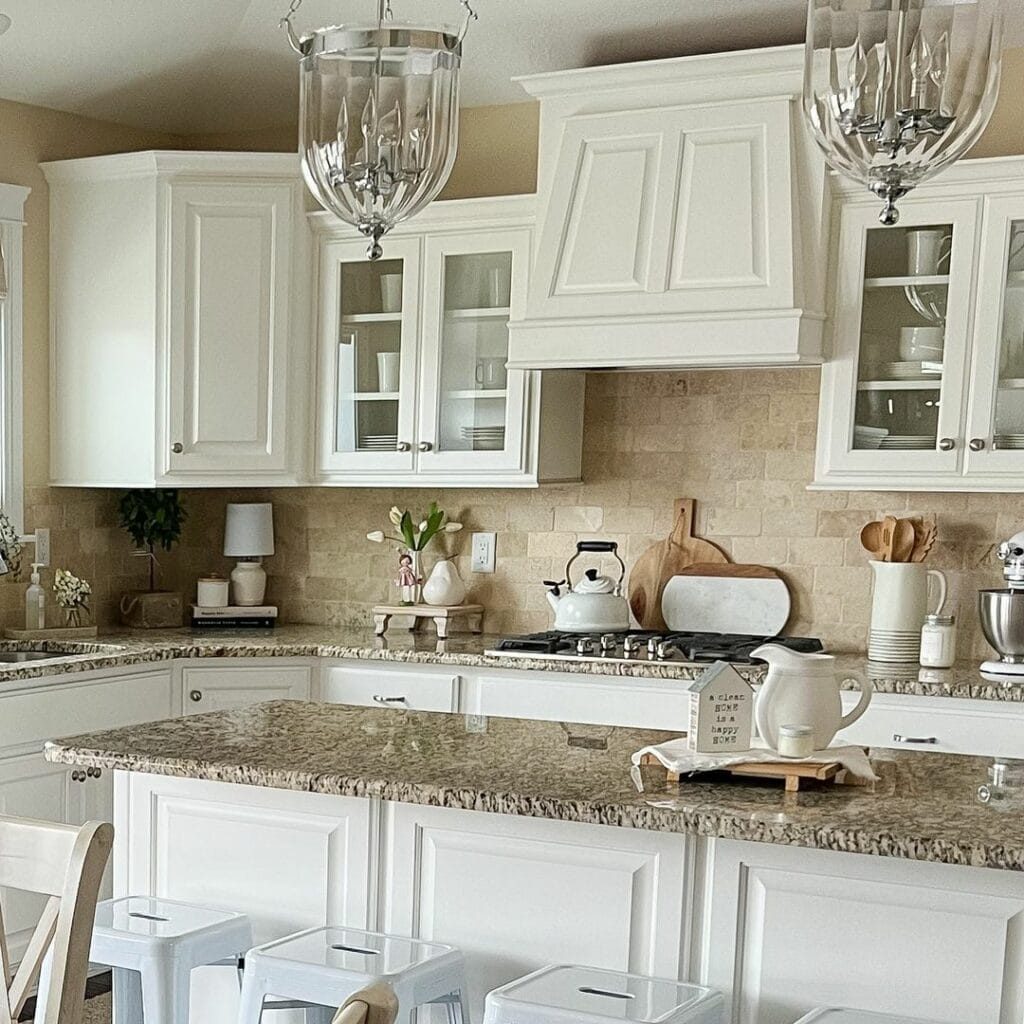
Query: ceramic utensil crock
column 899, row 604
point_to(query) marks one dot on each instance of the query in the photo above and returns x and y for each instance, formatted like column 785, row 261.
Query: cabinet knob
column 403, row 446
column 93, row 773
column 976, row 444
column 77, row 776
column 196, row 695
column 947, row 444
column 177, row 447
column 426, row 446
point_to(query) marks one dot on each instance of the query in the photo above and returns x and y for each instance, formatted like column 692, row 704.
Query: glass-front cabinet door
column 368, row 356
column 901, row 337
column 472, row 407
column 995, row 445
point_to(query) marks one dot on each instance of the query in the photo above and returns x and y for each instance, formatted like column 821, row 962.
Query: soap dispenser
column 35, row 601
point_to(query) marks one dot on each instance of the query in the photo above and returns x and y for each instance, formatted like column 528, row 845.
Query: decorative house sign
column 721, row 711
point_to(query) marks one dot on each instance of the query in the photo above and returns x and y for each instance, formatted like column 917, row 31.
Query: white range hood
column 682, row 217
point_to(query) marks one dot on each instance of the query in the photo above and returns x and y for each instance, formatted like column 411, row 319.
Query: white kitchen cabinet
column 412, row 382
column 515, row 893
column 179, row 320
column 950, row 415
column 289, row 860
column 790, row 929
column 223, row 684
column 681, row 218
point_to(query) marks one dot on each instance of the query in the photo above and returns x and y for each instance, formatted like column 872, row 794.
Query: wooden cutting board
column 668, row 558
column 710, row 598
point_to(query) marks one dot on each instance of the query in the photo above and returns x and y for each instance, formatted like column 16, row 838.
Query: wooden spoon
column 904, row 536
column 871, row 539
column 888, row 536
column 924, row 541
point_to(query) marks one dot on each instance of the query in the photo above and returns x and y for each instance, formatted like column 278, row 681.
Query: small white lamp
column 248, row 536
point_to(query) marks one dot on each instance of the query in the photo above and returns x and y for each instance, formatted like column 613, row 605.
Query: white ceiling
column 194, row 66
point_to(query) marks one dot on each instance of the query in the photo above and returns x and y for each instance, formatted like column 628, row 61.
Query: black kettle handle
column 597, row 546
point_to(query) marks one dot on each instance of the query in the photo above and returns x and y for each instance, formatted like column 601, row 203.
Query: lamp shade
column 249, row 530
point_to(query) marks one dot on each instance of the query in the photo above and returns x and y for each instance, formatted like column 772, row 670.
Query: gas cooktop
column 640, row 646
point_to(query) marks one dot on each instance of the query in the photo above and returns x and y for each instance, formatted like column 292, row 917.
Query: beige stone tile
column 578, row 519
column 733, row 522
column 816, row 551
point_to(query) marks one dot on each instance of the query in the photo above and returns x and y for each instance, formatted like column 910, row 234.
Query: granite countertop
column 137, row 647
column 924, row 807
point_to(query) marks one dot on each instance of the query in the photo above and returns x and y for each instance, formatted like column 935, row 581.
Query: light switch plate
column 42, row 552
column 483, row 552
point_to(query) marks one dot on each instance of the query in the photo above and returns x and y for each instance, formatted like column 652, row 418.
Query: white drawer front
column 413, row 689
column 942, row 724
column 596, row 700
column 60, row 709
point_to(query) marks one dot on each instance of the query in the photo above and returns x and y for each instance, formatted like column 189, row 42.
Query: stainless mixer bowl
column 1002, row 621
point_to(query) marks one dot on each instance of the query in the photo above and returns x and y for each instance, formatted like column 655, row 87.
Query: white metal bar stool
column 153, row 946
column 587, row 995
column 835, row 1015
column 322, row 967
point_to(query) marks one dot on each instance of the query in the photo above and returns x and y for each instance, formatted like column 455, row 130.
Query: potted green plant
column 152, row 519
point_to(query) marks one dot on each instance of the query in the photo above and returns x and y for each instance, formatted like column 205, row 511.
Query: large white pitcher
column 899, row 605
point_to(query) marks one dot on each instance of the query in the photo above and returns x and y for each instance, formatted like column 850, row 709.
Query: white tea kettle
column 804, row 689
column 595, row 604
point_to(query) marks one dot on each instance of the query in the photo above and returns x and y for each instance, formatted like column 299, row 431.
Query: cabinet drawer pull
column 196, row 695
column 378, row 699
column 897, row 738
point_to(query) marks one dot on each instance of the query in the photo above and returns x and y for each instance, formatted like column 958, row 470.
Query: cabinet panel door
column 675, row 210
column 794, row 929
column 30, row 787
column 219, row 688
column 229, row 312
column 472, row 410
column 894, row 392
column 996, row 417
column 516, row 893
column 369, row 325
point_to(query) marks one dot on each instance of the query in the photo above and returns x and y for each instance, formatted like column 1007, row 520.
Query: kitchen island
column 525, row 842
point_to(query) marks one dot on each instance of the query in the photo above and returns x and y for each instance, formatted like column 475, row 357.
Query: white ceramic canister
column 444, row 586
column 212, row 592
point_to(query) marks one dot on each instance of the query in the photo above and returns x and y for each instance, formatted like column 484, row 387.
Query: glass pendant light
column 379, row 117
column 896, row 90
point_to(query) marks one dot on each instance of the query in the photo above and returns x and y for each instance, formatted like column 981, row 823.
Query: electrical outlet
column 42, row 552
column 483, row 552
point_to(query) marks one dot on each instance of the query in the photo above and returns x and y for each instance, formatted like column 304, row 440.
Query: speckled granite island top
column 924, row 807
column 140, row 647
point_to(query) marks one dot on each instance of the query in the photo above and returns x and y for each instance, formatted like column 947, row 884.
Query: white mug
column 928, row 251
column 389, row 366
column 491, row 372
column 391, row 293
column 920, row 343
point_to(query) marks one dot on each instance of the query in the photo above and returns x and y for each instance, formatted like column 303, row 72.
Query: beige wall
column 640, row 454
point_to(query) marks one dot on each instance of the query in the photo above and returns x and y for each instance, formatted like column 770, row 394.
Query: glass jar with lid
column 938, row 641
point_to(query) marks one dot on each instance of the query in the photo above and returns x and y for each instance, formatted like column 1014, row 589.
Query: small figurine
column 407, row 579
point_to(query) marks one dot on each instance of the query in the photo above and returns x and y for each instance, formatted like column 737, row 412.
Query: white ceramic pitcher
column 804, row 689
column 899, row 604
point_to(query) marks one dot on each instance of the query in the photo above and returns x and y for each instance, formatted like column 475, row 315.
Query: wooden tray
column 791, row 772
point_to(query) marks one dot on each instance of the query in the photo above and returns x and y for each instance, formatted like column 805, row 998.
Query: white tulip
column 452, row 527
column 377, row 536
column 395, row 515
column 423, row 526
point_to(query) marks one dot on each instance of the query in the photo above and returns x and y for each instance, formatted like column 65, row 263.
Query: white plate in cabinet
column 383, row 685
column 220, row 687
column 593, row 700
column 947, row 725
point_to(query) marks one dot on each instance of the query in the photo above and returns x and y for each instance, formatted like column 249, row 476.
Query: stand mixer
column 1002, row 613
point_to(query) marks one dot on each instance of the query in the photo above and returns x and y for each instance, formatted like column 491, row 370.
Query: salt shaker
column 938, row 641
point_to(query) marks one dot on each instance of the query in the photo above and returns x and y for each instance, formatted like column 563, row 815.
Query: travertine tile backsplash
column 740, row 442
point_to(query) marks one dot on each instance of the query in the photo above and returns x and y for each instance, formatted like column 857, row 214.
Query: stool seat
column 587, row 995
column 837, row 1015
column 144, row 926
column 322, row 967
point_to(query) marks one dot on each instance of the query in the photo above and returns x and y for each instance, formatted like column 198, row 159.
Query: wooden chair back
column 65, row 863
column 375, row 1004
